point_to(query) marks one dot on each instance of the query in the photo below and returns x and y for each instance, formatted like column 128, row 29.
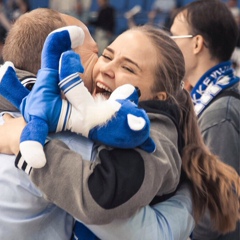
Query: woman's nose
column 108, row 69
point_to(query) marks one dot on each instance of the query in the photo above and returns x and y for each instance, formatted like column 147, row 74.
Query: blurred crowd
column 10, row 10
column 107, row 19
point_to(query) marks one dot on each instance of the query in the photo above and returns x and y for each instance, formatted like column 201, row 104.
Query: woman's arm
column 97, row 193
column 168, row 220
column 116, row 188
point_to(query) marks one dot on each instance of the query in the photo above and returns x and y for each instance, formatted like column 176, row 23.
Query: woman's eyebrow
column 132, row 62
column 109, row 49
column 125, row 58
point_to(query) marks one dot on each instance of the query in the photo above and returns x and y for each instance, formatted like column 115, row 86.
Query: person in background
column 5, row 25
column 5, row 22
column 164, row 7
column 73, row 8
column 85, row 10
column 129, row 15
column 235, row 10
column 39, row 218
column 207, row 33
column 16, row 8
column 104, row 24
column 233, row 7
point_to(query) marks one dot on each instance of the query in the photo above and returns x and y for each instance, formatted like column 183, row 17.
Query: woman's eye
column 128, row 69
column 106, row 57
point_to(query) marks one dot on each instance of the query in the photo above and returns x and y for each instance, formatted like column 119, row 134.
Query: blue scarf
column 211, row 84
column 81, row 232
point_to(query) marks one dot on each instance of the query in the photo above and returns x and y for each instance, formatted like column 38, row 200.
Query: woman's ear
column 161, row 96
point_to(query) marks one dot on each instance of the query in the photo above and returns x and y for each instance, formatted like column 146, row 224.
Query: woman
column 172, row 116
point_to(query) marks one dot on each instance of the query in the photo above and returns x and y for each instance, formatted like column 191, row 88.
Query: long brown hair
column 215, row 185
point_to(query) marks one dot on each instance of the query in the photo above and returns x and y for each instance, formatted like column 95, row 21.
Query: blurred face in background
column 186, row 42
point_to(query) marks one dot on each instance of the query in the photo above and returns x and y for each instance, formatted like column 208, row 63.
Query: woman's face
column 131, row 58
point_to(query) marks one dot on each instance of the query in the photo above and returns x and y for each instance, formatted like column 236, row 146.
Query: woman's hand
column 10, row 133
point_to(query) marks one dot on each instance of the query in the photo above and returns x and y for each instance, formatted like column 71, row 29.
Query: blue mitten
column 130, row 125
column 10, row 87
column 73, row 111
column 41, row 108
column 116, row 122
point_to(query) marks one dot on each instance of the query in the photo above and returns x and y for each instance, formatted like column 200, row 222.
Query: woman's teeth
column 103, row 87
